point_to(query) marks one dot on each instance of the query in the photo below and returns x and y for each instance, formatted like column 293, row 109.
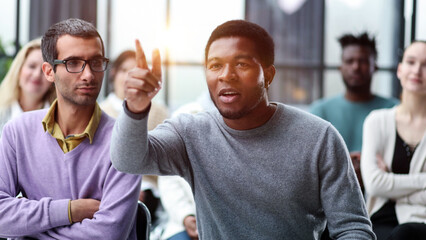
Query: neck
column 253, row 119
column 29, row 103
column 413, row 105
column 73, row 119
column 361, row 96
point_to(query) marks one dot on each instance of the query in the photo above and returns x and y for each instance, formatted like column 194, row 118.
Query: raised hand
column 142, row 83
column 83, row 208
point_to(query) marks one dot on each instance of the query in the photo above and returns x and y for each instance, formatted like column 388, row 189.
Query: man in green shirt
column 347, row 111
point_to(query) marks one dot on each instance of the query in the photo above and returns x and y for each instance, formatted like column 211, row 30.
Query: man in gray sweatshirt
column 258, row 170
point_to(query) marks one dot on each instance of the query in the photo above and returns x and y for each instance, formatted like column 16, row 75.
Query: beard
column 232, row 114
column 68, row 94
column 358, row 88
column 238, row 114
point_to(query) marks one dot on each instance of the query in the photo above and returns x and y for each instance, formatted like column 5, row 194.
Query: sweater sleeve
column 416, row 198
column 133, row 150
column 346, row 215
column 115, row 217
column 376, row 181
column 21, row 216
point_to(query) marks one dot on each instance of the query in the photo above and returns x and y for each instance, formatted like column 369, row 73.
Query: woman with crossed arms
column 394, row 155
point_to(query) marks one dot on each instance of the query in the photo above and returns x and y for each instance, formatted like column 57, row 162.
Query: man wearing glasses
column 59, row 158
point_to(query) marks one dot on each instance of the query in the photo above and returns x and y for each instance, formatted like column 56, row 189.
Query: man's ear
column 269, row 73
column 48, row 72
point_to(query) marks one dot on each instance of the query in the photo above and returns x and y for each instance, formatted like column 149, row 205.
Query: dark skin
column 357, row 69
column 238, row 82
column 236, row 79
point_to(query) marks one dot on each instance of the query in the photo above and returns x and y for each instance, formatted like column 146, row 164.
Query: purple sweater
column 32, row 162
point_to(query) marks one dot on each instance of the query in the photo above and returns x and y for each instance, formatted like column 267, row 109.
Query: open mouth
column 228, row 95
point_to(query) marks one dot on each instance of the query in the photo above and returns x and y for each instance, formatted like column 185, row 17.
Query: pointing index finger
column 140, row 56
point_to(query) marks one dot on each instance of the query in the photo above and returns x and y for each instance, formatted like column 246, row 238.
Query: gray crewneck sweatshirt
column 282, row 180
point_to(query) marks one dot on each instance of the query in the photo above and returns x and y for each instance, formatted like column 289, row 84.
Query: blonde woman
column 24, row 87
column 394, row 155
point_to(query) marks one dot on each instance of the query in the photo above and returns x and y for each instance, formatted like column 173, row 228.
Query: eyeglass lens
column 77, row 65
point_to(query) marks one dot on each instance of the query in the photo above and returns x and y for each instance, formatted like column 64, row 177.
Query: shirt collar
column 49, row 121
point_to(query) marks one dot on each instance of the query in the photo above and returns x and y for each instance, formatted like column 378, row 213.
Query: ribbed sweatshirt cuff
column 136, row 116
column 58, row 213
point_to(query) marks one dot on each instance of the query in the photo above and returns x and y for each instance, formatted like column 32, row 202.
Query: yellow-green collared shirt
column 70, row 142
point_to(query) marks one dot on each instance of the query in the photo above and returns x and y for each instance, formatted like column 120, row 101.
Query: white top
column 112, row 105
column 177, row 200
column 408, row 190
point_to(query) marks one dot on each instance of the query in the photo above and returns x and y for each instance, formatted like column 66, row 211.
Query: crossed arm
column 416, row 198
column 116, row 214
column 113, row 215
column 47, row 218
column 378, row 180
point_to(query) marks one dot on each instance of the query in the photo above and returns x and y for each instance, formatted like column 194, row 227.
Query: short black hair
column 362, row 40
column 72, row 26
column 264, row 44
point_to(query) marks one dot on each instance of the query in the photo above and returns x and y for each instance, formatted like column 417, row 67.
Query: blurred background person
column 24, row 88
column 347, row 111
column 394, row 154
column 112, row 105
column 178, row 202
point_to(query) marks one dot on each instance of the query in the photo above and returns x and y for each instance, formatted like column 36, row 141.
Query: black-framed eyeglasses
column 76, row 65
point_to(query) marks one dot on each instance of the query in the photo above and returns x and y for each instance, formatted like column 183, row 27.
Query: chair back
column 143, row 222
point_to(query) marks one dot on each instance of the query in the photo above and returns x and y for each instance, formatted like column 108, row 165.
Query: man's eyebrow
column 81, row 58
column 72, row 58
column 212, row 59
column 242, row 56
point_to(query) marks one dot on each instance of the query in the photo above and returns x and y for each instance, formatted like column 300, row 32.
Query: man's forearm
column 22, row 217
column 129, row 142
column 116, row 214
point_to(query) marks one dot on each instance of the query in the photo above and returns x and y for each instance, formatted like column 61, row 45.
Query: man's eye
column 214, row 66
column 73, row 63
column 241, row 64
column 96, row 62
